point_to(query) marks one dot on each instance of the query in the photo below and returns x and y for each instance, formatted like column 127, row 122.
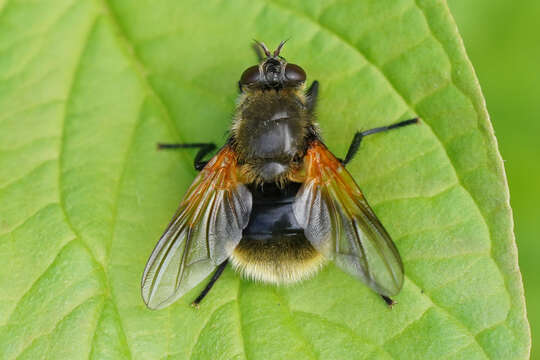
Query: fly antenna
column 264, row 48
column 277, row 51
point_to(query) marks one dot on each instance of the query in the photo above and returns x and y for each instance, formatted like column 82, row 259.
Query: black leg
column 355, row 144
column 388, row 301
column 211, row 283
column 311, row 95
column 204, row 149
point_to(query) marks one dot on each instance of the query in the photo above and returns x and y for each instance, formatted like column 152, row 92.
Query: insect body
column 274, row 201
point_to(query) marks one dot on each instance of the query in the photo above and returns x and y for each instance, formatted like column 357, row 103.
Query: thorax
column 270, row 133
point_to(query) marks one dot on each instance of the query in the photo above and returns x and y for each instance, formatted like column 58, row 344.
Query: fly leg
column 311, row 96
column 211, row 283
column 355, row 144
column 388, row 301
column 204, row 149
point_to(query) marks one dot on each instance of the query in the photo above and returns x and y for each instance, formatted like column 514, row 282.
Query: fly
column 274, row 202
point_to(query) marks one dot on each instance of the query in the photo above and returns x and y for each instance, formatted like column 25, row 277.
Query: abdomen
column 273, row 246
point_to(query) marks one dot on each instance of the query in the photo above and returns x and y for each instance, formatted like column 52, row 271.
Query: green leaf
column 87, row 89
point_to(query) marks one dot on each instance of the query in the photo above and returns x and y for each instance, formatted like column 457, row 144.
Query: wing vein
column 338, row 222
column 206, row 227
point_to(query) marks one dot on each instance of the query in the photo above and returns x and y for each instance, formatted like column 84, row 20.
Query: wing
column 339, row 223
column 202, row 234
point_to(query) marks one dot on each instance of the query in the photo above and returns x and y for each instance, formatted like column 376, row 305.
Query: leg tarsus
column 357, row 139
column 388, row 301
column 211, row 283
column 204, row 149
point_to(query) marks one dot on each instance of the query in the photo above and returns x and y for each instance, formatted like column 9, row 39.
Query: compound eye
column 295, row 73
column 250, row 75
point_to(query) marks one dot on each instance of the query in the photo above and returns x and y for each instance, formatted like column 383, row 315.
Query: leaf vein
column 345, row 328
column 301, row 336
column 58, row 323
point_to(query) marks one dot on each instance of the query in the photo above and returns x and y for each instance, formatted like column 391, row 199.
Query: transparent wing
column 339, row 223
column 202, row 234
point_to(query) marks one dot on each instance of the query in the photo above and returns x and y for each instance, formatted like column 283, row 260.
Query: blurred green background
column 502, row 38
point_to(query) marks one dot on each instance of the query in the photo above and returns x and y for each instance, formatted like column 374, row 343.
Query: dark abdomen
column 273, row 247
